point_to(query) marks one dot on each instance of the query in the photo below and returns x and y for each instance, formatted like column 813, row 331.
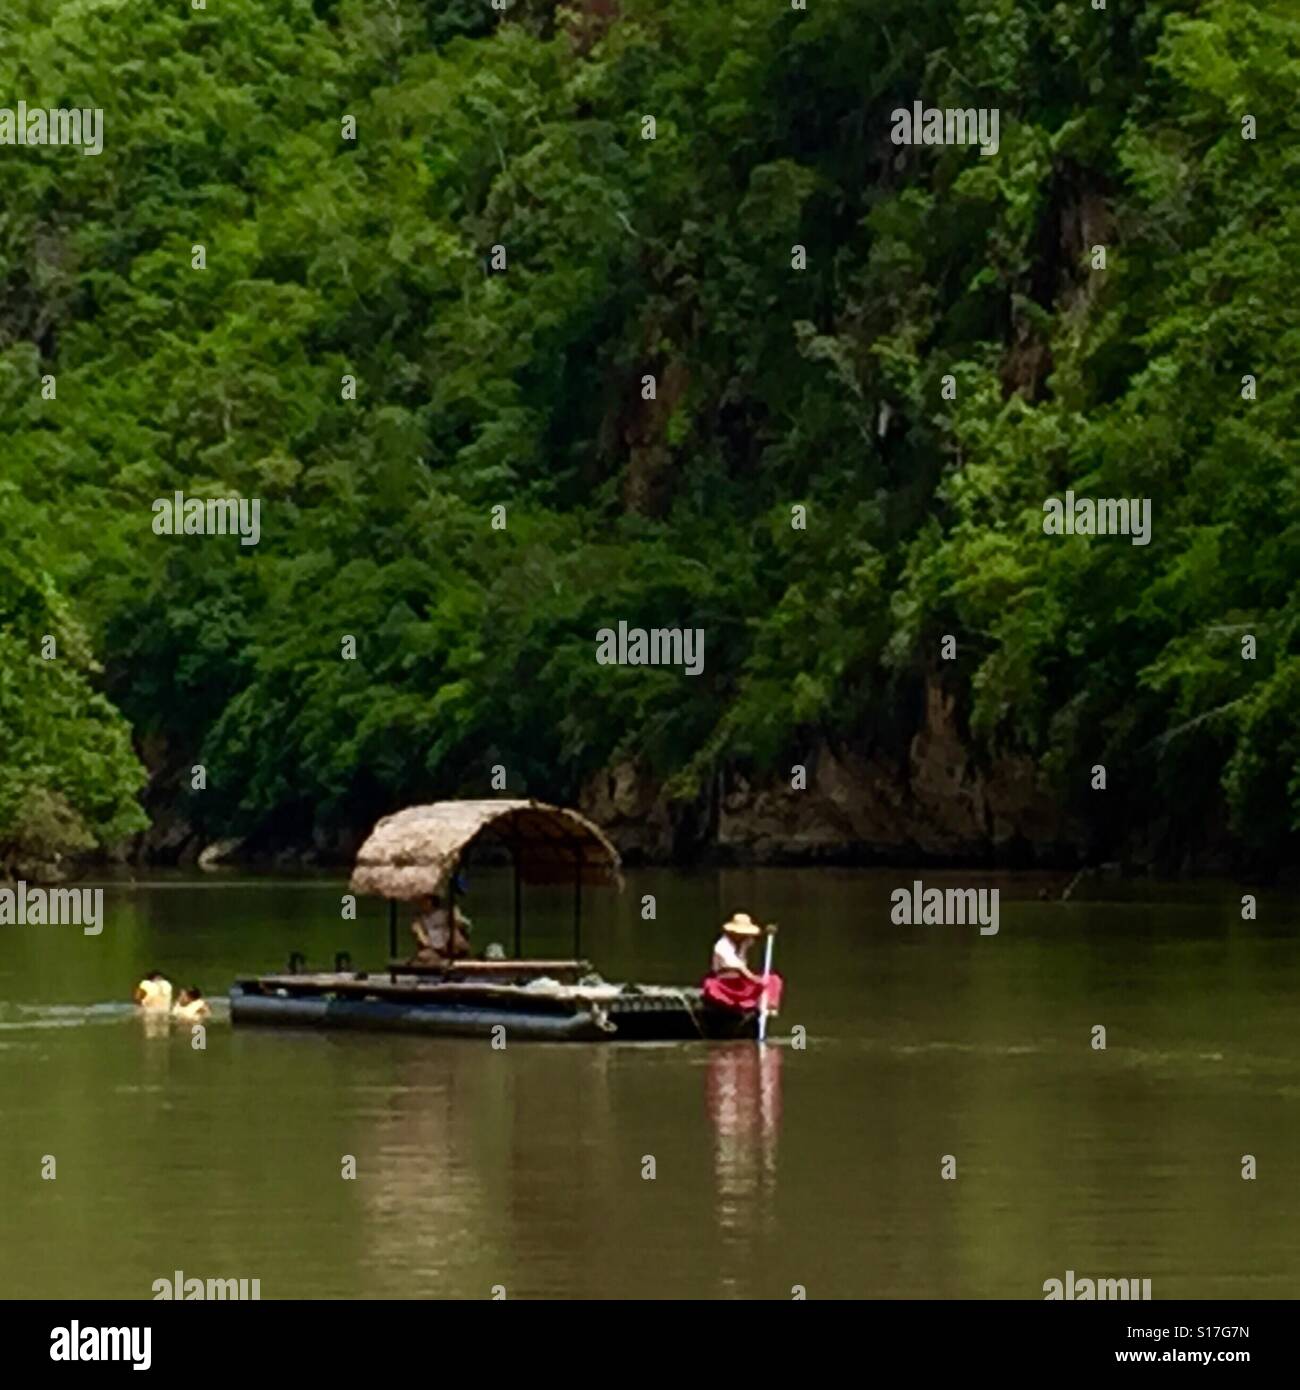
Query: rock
column 217, row 852
column 935, row 801
column 335, row 846
column 632, row 810
column 170, row 839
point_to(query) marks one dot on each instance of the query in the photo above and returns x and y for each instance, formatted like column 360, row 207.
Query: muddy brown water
column 815, row 1166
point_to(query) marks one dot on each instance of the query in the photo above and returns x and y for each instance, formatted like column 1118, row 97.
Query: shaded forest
column 1165, row 133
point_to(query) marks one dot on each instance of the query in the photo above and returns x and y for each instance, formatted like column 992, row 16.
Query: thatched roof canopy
column 413, row 852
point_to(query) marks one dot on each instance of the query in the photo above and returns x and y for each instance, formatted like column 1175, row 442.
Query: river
column 526, row 1170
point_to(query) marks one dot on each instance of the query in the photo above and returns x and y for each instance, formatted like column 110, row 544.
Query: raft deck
column 566, row 972
column 464, row 1000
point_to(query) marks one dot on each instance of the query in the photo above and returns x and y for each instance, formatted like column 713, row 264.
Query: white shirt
column 437, row 927
column 726, row 956
column 156, row 994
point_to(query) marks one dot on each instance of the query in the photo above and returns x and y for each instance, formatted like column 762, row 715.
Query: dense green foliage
column 69, row 775
column 476, row 388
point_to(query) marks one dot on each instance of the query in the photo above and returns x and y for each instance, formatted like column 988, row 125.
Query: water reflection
column 418, row 1161
column 155, row 1022
column 524, row 1167
column 743, row 1096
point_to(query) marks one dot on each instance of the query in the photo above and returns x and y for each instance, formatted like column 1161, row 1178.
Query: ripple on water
column 26, row 1017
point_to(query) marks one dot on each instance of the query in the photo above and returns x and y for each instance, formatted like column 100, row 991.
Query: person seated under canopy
column 732, row 984
column 431, row 929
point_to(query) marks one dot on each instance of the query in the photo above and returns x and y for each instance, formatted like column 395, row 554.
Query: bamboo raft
column 472, row 1003
column 416, row 854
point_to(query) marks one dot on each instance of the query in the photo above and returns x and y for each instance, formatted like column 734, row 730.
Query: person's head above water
column 191, row 994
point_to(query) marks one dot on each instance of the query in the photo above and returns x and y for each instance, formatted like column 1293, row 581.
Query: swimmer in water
column 191, row 1006
column 154, row 993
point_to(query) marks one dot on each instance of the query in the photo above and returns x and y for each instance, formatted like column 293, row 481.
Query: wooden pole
column 519, row 914
column 392, row 929
column 577, row 907
column 451, row 914
column 767, row 970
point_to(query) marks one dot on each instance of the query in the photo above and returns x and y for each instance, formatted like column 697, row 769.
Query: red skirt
column 742, row 995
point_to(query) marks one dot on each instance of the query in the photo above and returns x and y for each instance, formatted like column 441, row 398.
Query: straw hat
column 740, row 925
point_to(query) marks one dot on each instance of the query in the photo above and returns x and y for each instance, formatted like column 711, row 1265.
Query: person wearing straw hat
column 731, row 983
column 730, row 948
